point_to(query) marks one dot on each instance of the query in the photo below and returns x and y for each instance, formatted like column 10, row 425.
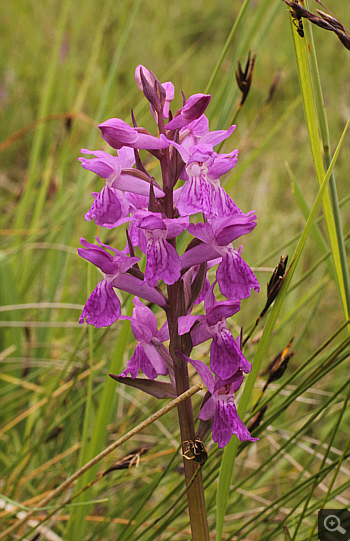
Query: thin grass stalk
column 75, row 526
column 79, row 473
column 105, row 408
column 71, row 498
column 9, row 295
column 250, row 38
column 302, row 301
column 315, row 376
column 180, row 496
column 310, row 271
column 311, row 511
column 312, row 490
column 130, row 532
column 324, row 132
column 295, row 237
column 95, row 51
column 281, row 122
column 302, row 279
column 23, row 206
column 227, row 45
column 56, row 391
column 336, row 492
column 335, row 474
column 230, row 451
column 252, row 29
column 316, row 232
column 88, row 405
column 311, row 123
column 308, row 320
column 28, row 452
column 126, row 22
column 321, row 474
column 292, row 439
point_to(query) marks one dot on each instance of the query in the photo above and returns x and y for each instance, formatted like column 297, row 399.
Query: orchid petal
column 109, row 206
column 118, row 133
column 207, row 411
column 155, row 359
column 202, row 369
column 135, row 286
column 229, row 229
column 235, row 277
column 225, row 356
column 215, row 137
column 193, row 109
column 102, row 307
column 162, row 262
column 132, row 183
column 197, row 255
column 200, row 333
column 222, row 164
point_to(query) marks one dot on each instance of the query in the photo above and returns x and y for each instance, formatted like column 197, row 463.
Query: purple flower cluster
column 156, row 215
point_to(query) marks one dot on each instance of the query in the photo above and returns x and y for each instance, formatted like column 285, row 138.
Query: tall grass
column 58, row 406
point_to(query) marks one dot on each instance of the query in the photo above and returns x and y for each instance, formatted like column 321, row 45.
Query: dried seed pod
column 244, row 78
column 275, row 284
column 278, row 365
column 133, row 459
column 327, row 22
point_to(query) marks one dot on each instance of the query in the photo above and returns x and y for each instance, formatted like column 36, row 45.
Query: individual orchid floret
column 219, row 404
column 146, row 356
column 202, row 192
column 190, row 135
column 108, row 208
column 107, row 166
column 226, row 356
column 150, row 78
column 118, row 171
column 163, row 261
column 118, row 134
column 103, row 306
column 234, row 276
column 111, row 205
column 197, row 132
column 236, row 279
column 193, row 109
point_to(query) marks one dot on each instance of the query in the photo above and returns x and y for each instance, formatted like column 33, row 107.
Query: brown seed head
column 244, row 78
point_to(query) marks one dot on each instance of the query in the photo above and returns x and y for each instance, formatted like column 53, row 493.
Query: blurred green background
column 65, row 57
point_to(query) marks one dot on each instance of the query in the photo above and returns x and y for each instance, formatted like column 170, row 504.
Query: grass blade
column 230, row 451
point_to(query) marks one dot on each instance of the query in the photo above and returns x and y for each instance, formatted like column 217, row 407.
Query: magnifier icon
column 332, row 524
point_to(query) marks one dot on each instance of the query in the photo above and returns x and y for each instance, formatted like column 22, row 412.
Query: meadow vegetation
column 66, row 67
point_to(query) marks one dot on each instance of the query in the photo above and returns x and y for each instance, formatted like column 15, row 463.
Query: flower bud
column 193, row 109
